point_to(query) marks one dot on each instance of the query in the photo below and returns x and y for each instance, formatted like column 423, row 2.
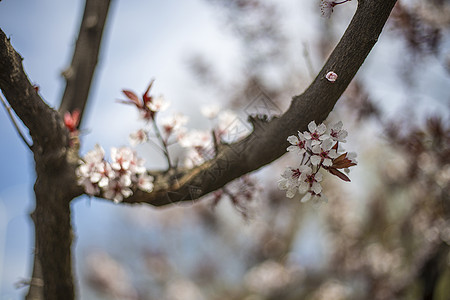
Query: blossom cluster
column 114, row 180
column 318, row 148
column 199, row 144
column 149, row 105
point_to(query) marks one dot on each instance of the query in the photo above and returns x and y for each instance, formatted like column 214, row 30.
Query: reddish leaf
column 72, row 120
column 133, row 97
column 338, row 174
column 342, row 161
column 147, row 98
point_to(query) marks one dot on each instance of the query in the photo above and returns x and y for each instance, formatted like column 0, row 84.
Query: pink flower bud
column 331, row 76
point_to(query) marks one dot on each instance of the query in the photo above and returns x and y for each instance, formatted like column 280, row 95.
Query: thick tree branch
column 268, row 140
column 80, row 73
column 56, row 185
column 46, row 128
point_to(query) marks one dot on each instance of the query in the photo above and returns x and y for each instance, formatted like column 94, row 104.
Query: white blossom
column 145, row 182
column 225, row 123
column 316, row 133
column 298, row 144
column 352, row 157
column 118, row 189
column 310, row 195
column 89, row 187
column 158, row 104
column 318, row 149
column 173, row 123
column 101, row 174
column 94, row 171
column 114, row 179
column 196, row 138
column 337, row 133
column 138, row 137
column 309, row 181
column 289, row 182
column 210, row 111
column 323, row 153
column 95, row 156
column 193, row 159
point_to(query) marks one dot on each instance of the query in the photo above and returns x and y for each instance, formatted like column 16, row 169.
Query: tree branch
column 80, row 73
column 8, row 110
column 55, row 161
column 46, row 128
column 55, row 186
column 268, row 142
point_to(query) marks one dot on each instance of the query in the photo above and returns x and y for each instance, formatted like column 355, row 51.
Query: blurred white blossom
column 114, row 179
column 138, row 137
column 210, row 111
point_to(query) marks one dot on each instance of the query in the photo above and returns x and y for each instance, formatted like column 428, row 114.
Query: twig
column 8, row 110
column 163, row 142
column 216, row 143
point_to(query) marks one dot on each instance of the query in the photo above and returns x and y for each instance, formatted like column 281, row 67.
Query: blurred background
column 385, row 235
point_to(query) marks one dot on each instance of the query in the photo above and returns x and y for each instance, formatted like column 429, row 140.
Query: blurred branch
column 268, row 142
column 80, row 73
column 431, row 270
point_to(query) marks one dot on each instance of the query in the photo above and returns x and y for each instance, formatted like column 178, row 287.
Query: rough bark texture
column 52, row 214
column 56, row 162
column 55, row 185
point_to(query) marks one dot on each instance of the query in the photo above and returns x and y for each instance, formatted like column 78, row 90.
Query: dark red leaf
column 342, row 161
column 133, row 97
column 338, row 173
column 147, row 98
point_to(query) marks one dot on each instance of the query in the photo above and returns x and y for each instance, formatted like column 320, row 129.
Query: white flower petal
column 293, row 139
column 318, row 177
column 315, row 160
column 321, row 128
column 316, row 187
column 290, row 193
column 327, row 162
column 327, row 144
column 312, row 126
column 306, row 197
column 303, row 187
column 292, row 148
